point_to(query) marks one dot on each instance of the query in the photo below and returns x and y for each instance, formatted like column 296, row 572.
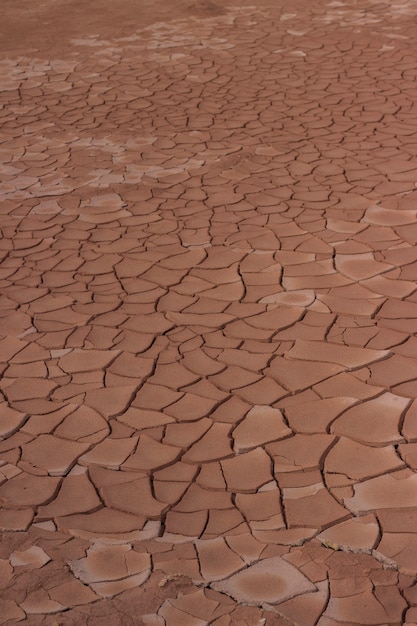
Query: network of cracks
column 208, row 315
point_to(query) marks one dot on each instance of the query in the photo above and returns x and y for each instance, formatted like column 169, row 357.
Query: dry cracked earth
column 208, row 315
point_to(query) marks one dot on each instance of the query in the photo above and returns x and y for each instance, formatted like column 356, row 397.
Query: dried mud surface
column 208, row 393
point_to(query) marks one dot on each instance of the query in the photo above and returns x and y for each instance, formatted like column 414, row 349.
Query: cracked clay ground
column 208, row 308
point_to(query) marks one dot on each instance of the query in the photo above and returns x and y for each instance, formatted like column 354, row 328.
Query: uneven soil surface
column 208, row 310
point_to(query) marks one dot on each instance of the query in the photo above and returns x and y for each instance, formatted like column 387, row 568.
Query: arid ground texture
column 208, row 313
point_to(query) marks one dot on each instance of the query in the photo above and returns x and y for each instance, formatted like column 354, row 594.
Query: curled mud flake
column 54, row 455
column 40, row 603
column 270, row 581
column 26, row 490
column 383, row 412
column 109, row 570
column 261, row 425
column 31, row 558
column 357, row 534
